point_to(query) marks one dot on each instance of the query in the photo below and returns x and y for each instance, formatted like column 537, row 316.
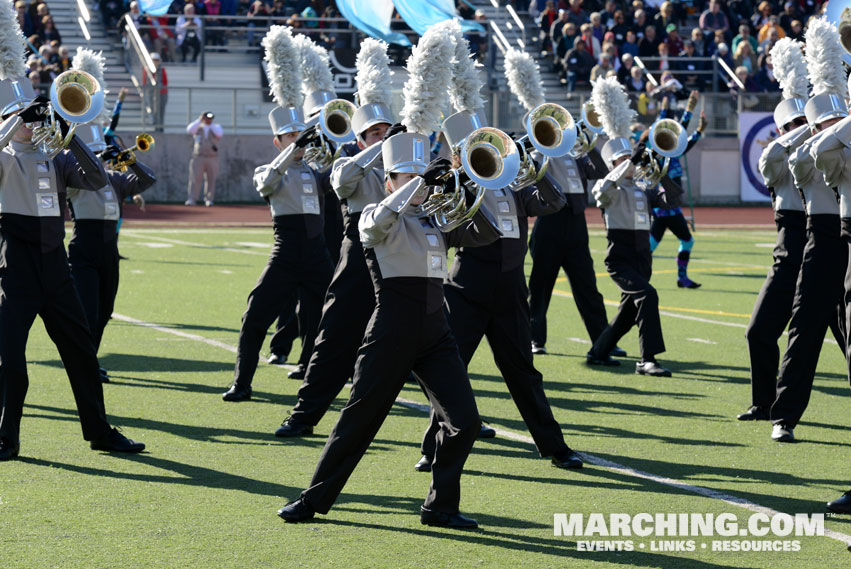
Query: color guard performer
column 34, row 275
column 299, row 259
column 627, row 217
column 486, row 294
column 408, row 331
column 819, row 293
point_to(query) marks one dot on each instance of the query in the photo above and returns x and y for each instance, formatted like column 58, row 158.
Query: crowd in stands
column 585, row 39
column 46, row 56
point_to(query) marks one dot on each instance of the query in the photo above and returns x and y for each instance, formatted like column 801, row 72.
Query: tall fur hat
column 284, row 67
column 790, row 69
column 317, row 81
column 12, row 42
column 373, row 80
column 430, row 69
column 524, row 78
column 466, row 81
column 824, row 59
column 612, row 105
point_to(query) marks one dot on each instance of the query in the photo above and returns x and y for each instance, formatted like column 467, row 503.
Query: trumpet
column 334, row 124
column 75, row 96
column 490, row 159
column 126, row 158
column 668, row 140
column 589, row 128
column 550, row 130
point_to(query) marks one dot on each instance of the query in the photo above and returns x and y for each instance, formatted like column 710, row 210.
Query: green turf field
column 206, row 492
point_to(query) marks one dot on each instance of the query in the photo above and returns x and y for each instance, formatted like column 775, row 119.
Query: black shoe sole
column 293, row 434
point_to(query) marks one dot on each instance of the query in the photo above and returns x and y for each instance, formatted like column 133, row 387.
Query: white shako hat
column 373, row 82
column 790, row 69
column 826, row 72
column 16, row 90
column 612, row 105
column 405, row 153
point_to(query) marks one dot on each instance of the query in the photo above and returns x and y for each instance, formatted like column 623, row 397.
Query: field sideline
column 206, row 491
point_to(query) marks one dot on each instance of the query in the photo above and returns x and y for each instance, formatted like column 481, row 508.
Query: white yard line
column 595, row 460
column 192, row 244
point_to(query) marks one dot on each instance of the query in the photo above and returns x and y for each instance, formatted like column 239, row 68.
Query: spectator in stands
column 700, row 43
column 592, row 44
column 647, row 105
column 630, row 46
column 35, row 79
column 664, row 20
column 761, row 16
column 712, row 47
column 789, row 15
column 479, row 40
column 738, row 11
column 607, row 15
column 63, row 59
column 565, row 43
column 765, row 76
column 577, row 64
column 620, row 27
column 635, row 80
column 34, row 43
column 714, row 19
column 597, row 28
column 766, row 30
column 750, row 86
column 674, row 41
column 158, row 93
column 162, row 37
column 229, row 7
column 690, row 64
column 610, row 49
column 258, row 8
column 213, row 37
column 639, row 24
column 188, row 31
column 724, row 54
column 669, row 88
column 576, row 14
column 797, row 32
column 649, row 45
column 41, row 10
column 745, row 57
column 48, row 30
column 555, row 32
column 545, row 23
column 111, row 11
column 602, row 69
column 770, row 40
column 24, row 18
column 664, row 63
column 744, row 35
column 627, row 63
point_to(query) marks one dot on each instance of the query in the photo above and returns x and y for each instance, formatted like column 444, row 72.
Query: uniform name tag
column 509, row 228
column 437, row 265
column 48, row 204
column 111, row 209
column 44, row 183
column 42, row 168
column 504, row 207
column 433, row 241
column 306, row 176
column 574, row 187
column 572, row 172
column 309, row 204
column 499, row 193
column 109, row 195
column 640, row 205
column 307, row 188
column 642, row 220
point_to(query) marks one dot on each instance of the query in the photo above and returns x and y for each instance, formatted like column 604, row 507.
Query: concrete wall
column 713, row 167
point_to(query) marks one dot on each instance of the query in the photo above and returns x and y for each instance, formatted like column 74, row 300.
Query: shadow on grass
column 181, row 326
column 147, row 363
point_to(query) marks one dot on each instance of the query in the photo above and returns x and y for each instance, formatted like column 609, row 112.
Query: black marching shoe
column 440, row 519
column 291, row 428
column 617, row 352
column 298, row 372
column 104, row 376
column 8, row 451
column 277, row 359
column 423, row 464
column 538, row 349
column 652, row 369
column 114, row 441
column 568, row 459
column 755, row 414
column 236, row 393
column 297, row 511
column 608, row 361
column 841, row 505
column 782, row 434
column 486, row 432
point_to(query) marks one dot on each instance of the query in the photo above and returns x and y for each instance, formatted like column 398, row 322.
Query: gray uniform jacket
column 104, row 203
column 359, row 179
column 832, row 157
column 774, row 168
column 819, row 198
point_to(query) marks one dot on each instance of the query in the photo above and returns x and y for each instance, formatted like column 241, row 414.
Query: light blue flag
column 154, row 7
column 372, row 18
column 420, row 15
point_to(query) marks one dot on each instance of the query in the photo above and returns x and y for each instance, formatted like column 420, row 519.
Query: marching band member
column 773, row 306
column 627, row 219
column 34, row 275
column 819, row 294
column 408, row 331
column 299, row 259
column 93, row 249
column 486, row 294
column 560, row 240
column 358, row 180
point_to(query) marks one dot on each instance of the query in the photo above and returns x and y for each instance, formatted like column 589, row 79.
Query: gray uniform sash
column 297, row 194
column 415, row 248
column 29, row 183
column 503, row 205
column 101, row 205
column 628, row 209
column 565, row 170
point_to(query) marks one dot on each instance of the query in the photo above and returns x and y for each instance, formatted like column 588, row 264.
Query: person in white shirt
column 188, row 30
column 205, row 158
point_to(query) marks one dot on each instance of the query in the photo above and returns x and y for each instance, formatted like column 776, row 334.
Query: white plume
column 790, row 69
column 611, row 104
column 524, row 78
column 466, row 81
column 12, row 41
column 824, row 58
column 426, row 91
column 315, row 66
column 93, row 63
column 373, row 76
column 284, row 67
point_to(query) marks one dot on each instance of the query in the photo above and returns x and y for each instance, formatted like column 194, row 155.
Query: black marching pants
column 286, row 328
column 298, row 263
column 819, row 298
column 349, row 305
column 563, row 246
column 94, row 266
column 401, row 337
column 773, row 308
column 501, row 314
column 36, row 283
column 631, row 270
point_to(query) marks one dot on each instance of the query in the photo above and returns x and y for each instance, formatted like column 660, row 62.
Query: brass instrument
column 126, row 158
column 333, row 123
column 838, row 13
column 667, row 139
column 75, row 96
column 550, row 130
column 491, row 161
column 589, row 128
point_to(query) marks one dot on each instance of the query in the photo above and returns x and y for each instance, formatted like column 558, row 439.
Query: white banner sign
column 756, row 131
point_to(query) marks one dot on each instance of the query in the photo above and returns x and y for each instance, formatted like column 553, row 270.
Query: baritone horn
column 551, row 130
column 589, row 128
column 75, row 96
column 490, row 160
column 838, row 13
column 668, row 140
column 144, row 143
column 334, row 124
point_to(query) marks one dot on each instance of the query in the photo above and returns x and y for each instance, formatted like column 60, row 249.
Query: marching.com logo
column 764, row 527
